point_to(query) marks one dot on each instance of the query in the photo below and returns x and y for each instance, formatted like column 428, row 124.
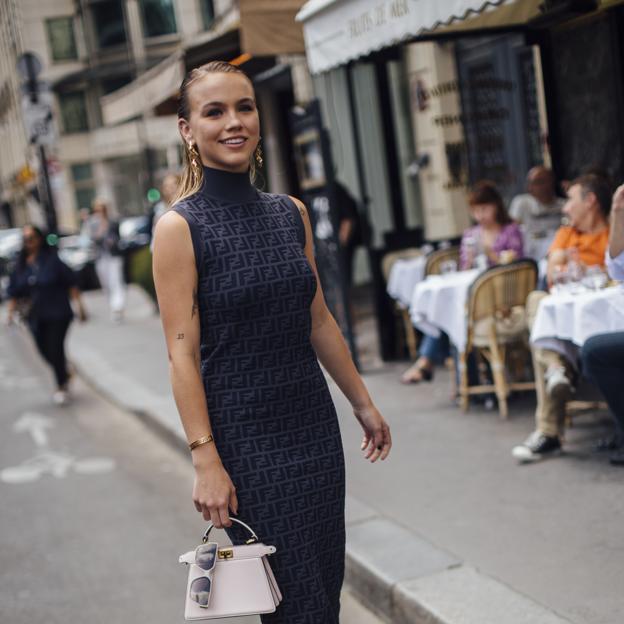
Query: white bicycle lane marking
column 46, row 461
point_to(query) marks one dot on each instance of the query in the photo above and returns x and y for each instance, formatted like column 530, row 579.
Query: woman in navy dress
column 246, row 324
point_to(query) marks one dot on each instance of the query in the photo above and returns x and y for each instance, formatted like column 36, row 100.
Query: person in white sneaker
column 109, row 263
column 555, row 366
column 603, row 355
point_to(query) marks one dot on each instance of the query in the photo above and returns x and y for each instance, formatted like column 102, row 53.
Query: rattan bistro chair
column 402, row 314
column 496, row 319
column 436, row 258
column 432, row 267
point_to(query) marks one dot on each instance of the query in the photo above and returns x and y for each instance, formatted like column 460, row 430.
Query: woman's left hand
column 377, row 441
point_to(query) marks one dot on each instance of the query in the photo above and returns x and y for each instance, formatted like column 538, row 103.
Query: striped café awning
column 338, row 31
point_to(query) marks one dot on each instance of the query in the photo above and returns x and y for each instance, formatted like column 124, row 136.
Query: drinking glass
column 595, row 277
column 448, row 266
column 561, row 279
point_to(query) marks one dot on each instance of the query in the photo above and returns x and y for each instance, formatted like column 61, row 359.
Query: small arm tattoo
column 180, row 336
column 195, row 307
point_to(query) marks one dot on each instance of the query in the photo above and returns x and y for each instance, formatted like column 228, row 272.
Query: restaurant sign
column 339, row 31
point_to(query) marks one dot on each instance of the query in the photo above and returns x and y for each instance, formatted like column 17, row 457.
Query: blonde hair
column 191, row 179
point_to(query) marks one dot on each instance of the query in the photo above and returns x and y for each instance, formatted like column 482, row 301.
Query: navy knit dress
column 272, row 416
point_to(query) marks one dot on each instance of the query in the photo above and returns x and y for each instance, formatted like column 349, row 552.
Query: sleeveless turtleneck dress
column 272, row 416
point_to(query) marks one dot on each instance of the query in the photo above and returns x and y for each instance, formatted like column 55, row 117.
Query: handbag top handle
column 253, row 538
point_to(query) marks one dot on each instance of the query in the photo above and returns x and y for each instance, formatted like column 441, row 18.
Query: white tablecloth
column 439, row 303
column 404, row 275
column 577, row 317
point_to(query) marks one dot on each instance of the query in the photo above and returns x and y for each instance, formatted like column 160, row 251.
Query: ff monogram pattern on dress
column 272, row 417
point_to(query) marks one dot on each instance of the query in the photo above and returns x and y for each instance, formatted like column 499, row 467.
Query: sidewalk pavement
column 449, row 530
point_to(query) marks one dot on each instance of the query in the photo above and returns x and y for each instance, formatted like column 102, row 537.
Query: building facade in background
column 115, row 67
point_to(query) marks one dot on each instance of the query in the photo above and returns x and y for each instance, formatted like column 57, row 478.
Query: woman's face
column 484, row 214
column 32, row 242
column 223, row 121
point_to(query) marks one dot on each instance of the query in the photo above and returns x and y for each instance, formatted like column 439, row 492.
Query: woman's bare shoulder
column 171, row 234
column 300, row 205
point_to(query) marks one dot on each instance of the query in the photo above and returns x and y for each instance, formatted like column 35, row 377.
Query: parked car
column 134, row 233
column 10, row 245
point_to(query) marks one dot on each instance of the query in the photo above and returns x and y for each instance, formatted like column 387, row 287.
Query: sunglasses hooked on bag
column 230, row 580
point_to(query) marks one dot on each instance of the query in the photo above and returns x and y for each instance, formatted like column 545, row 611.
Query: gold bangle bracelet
column 200, row 441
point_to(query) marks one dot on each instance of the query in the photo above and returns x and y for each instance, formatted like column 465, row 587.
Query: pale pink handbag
column 230, row 581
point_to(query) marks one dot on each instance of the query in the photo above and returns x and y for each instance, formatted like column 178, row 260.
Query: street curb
column 404, row 579
column 100, row 381
column 395, row 573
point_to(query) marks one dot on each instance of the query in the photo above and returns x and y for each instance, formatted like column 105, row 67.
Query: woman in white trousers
column 109, row 263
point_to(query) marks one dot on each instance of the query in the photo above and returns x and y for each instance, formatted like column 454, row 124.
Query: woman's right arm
column 175, row 278
column 16, row 289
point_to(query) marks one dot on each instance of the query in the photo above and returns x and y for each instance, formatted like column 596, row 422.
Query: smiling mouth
column 234, row 141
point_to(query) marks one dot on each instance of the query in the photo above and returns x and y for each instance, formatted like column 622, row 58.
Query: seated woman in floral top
column 495, row 234
column 497, row 239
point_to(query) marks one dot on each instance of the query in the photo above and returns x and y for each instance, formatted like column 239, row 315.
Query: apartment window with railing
column 158, row 18
column 61, row 39
column 73, row 107
column 108, row 23
column 208, row 12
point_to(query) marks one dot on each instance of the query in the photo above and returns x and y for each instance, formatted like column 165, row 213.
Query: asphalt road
column 95, row 508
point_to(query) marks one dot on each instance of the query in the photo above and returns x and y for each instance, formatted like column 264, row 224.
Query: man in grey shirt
column 603, row 355
column 538, row 211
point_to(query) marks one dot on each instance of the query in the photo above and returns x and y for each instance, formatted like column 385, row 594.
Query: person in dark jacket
column 352, row 228
column 41, row 286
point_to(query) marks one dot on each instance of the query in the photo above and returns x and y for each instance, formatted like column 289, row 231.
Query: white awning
column 150, row 89
column 162, row 81
column 338, row 31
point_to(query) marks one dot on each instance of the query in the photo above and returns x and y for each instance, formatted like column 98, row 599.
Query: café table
column 404, row 275
column 439, row 304
column 577, row 316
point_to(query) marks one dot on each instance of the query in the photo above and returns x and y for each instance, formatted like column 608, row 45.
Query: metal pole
column 50, row 210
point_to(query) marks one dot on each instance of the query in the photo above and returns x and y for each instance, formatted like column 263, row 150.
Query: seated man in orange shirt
column 584, row 242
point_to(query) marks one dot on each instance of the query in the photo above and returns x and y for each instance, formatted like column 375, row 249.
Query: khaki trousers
column 550, row 413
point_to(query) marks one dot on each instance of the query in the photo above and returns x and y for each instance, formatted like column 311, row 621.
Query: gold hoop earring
column 258, row 156
column 194, row 156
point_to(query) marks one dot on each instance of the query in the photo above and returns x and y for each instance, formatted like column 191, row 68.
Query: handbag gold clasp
column 225, row 553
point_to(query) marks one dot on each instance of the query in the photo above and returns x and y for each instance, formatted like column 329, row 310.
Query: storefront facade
column 404, row 111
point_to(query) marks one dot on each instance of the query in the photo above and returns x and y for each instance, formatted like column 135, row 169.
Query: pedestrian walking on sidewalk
column 40, row 288
column 109, row 262
column 168, row 191
column 246, row 323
